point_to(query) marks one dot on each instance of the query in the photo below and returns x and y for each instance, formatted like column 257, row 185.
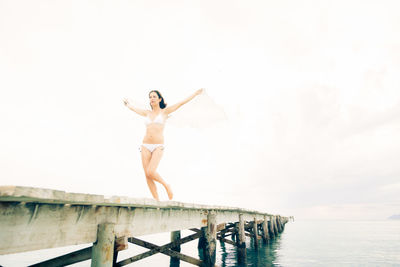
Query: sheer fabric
column 201, row 112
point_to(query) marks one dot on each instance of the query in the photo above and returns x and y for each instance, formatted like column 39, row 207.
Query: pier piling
column 264, row 228
column 275, row 219
column 241, row 241
column 209, row 243
column 255, row 232
column 103, row 248
column 175, row 236
column 271, row 227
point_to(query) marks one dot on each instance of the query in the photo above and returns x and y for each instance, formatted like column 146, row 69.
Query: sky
column 310, row 89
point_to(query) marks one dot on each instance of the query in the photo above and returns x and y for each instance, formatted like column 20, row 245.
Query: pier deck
column 36, row 218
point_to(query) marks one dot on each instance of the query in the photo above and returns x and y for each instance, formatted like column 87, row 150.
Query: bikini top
column 158, row 119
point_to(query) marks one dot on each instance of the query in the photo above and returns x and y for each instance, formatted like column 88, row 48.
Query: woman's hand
column 200, row 91
column 126, row 102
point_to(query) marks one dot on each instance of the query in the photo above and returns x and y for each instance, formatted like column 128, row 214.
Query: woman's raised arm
column 141, row 112
column 173, row 108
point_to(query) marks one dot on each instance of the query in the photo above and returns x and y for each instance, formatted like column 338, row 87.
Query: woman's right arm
column 141, row 112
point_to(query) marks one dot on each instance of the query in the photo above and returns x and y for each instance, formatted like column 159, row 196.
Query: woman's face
column 154, row 99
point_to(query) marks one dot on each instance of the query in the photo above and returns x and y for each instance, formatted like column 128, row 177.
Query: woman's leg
column 146, row 156
column 152, row 167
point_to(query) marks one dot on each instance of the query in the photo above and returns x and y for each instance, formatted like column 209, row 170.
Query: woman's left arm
column 173, row 108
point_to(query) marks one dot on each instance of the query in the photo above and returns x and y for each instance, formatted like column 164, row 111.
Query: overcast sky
column 311, row 90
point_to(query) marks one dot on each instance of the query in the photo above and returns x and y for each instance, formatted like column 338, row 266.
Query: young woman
column 153, row 141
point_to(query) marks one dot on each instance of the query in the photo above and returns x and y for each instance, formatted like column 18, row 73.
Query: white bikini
column 158, row 119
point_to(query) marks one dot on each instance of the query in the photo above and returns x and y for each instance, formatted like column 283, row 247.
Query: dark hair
column 162, row 103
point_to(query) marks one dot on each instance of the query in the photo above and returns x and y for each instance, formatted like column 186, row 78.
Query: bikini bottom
column 151, row 147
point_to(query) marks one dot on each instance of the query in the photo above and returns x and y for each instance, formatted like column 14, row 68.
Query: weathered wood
column 281, row 225
column 278, row 223
column 228, row 231
column 255, row 233
column 221, row 226
column 264, row 227
column 67, row 259
column 271, row 228
column 228, row 234
column 103, row 248
column 121, row 243
column 210, row 235
column 275, row 225
column 158, row 250
column 175, row 236
column 168, row 252
column 202, row 241
column 26, row 213
column 241, row 241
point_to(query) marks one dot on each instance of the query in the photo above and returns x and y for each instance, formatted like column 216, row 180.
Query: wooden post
column 275, row 226
column 278, row 223
column 278, row 228
column 210, row 240
column 241, row 241
column 175, row 235
column 103, row 248
column 281, row 224
column 255, row 232
column 279, row 220
column 200, row 244
column 271, row 227
column 265, row 229
column 234, row 235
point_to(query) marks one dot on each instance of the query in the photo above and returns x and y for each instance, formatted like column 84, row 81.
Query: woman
column 153, row 141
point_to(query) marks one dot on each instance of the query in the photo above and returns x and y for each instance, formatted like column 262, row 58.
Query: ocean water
column 303, row 243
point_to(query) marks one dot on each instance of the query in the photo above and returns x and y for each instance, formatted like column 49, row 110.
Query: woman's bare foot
column 169, row 192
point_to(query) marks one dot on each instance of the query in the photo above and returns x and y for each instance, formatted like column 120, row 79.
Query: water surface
column 303, row 243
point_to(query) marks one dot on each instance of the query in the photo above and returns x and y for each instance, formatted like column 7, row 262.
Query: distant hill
column 394, row 217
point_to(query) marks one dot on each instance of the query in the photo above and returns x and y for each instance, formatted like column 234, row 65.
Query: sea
column 302, row 243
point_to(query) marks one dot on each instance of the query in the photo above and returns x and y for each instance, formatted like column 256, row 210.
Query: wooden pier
column 36, row 218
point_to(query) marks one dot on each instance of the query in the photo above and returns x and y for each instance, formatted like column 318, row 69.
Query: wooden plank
column 168, row 251
column 67, row 259
column 221, row 226
column 228, row 234
column 49, row 196
column 157, row 250
column 228, row 231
